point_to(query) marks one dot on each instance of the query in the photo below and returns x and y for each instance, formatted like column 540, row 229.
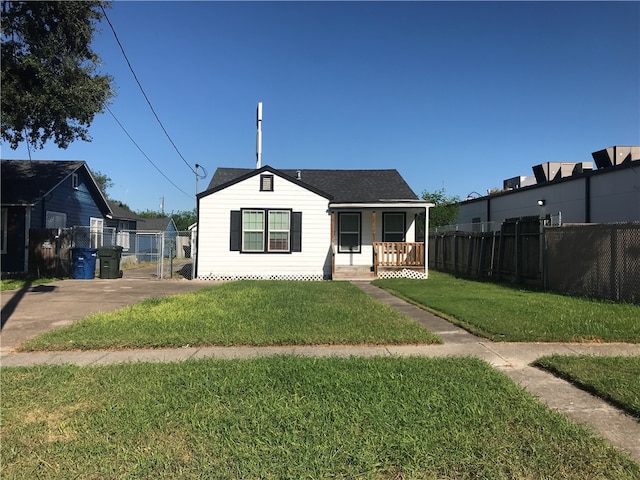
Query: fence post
column 455, row 253
column 543, row 255
column 518, row 253
column 500, row 254
column 469, row 255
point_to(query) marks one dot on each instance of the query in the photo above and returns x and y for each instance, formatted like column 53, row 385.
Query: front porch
column 390, row 259
column 357, row 253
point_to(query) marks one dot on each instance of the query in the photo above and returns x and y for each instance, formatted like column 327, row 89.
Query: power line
column 142, row 90
column 144, row 154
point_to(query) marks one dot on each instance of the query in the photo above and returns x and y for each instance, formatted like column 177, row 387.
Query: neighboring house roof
column 358, row 186
column 26, row 182
column 121, row 213
column 156, row 224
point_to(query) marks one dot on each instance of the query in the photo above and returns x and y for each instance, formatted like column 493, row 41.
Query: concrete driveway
column 36, row 309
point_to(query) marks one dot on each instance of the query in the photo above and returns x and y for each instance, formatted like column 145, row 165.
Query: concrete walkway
column 38, row 309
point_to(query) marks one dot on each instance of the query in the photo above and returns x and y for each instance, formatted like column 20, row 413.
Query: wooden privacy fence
column 512, row 254
column 50, row 252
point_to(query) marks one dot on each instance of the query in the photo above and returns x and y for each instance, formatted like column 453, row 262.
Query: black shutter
column 296, row 231
column 235, row 235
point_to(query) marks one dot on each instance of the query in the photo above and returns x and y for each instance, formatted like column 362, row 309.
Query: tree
column 184, row 219
column 104, row 182
column 445, row 210
column 50, row 88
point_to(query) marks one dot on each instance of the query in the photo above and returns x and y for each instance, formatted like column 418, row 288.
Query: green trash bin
column 110, row 261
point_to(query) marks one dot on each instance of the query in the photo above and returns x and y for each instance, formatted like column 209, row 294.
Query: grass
column 505, row 313
column 291, row 417
column 7, row 284
column 243, row 313
column 614, row 379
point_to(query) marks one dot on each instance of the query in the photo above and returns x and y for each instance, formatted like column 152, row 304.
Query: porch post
column 373, row 227
column 373, row 241
column 333, row 245
column 426, row 240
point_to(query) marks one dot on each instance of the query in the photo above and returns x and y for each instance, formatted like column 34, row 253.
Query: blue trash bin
column 84, row 263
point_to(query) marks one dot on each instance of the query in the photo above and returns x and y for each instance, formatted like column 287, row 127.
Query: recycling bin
column 110, row 261
column 84, row 263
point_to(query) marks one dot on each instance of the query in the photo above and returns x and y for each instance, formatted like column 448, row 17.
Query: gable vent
column 266, row 183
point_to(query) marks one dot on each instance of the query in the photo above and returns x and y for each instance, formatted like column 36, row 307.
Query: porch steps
column 353, row 272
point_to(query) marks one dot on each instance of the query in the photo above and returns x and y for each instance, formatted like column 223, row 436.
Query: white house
column 309, row 225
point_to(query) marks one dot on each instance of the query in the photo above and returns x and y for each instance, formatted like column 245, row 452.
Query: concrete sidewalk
column 60, row 303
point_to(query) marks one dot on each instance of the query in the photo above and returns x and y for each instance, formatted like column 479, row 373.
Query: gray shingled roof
column 25, row 182
column 121, row 213
column 343, row 186
column 154, row 224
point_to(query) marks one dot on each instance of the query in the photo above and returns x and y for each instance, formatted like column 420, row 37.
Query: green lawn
column 243, row 313
column 504, row 313
column 615, row 379
column 7, row 284
column 290, row 417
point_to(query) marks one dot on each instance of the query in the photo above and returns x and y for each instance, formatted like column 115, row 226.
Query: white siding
column 365, row 257
column 215, row 259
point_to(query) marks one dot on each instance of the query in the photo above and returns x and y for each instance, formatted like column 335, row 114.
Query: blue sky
column 454, row 95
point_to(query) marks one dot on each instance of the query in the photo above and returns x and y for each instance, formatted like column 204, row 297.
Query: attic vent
column 298, row 174
column 266, row 183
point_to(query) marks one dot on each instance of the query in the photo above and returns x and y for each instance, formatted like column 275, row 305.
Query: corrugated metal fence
column 593, row 260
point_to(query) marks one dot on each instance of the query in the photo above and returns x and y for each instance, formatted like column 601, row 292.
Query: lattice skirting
column 404, row 273
column 296, row 277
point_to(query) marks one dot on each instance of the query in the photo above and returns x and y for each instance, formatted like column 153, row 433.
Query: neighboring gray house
column 149, row 234
column 309, row 225
column 572, row 192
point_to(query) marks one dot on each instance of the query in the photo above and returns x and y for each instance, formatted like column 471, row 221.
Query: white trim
column 96, row 230
column 383, row 204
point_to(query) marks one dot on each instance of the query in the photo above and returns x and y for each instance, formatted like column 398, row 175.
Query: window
column 5, row 215
column 96, row 227
column 265, row 231
column 74, row 181
column 55, row 219
column 253, row 230
column 393, row 227
column 266, row 183
column 279, row 230
column 348, row 232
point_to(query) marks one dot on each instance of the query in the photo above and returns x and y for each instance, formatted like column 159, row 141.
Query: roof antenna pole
column 259, row 136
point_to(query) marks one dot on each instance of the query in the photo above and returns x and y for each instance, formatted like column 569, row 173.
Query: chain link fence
column 591, row 260
column 50, row 250
column 599, row 261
